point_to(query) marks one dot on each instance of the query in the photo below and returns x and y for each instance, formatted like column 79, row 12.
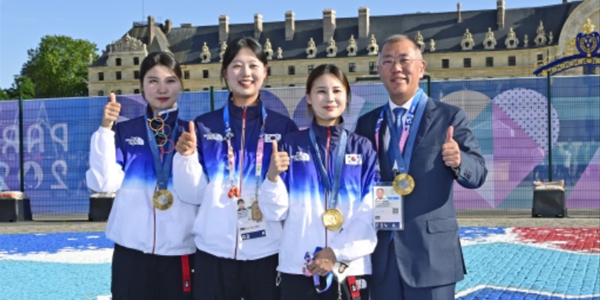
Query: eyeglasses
column 388, row 63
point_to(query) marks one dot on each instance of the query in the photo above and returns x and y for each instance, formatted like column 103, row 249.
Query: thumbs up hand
column 186, row 144
column 112, row 109
column 280, row 161
column 450, row 150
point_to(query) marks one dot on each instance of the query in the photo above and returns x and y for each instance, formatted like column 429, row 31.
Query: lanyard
column 408, row 135
column 259, row 148
column 332, row 188
column 162, row 171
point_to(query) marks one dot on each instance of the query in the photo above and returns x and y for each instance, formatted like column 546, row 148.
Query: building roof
column 186, row 42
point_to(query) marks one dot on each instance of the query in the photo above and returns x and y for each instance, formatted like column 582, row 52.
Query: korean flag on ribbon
column 354, row 159
column 270, row 137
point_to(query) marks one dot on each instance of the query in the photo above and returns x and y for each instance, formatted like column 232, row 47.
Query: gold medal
column 256, row 213
column 333, row 219
column 162, row 199
column 404, row 184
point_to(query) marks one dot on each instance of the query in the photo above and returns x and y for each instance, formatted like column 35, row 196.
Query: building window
column 291, row 70
column 100, row 93
column 118, row 61
column 267, row 86
column 372, row 68
column 136, row 61
column 512, row 60
column 445, row 63
column 467, row 63
column 186, row 90
column 136, row 74
column 186, row 74
column 268, row 70
column 540, row 58
column 292, row 85
column 100, row 76
column 118, row 92
column 136, row 91
column 224, row 88
column 204, row 73
column 489, row 61
column 352, row 67
column 118, row 75
column 205, row 89
column 310, row 68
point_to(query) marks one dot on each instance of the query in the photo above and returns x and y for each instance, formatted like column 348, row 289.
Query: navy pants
column 138, row 275
column 219, row 278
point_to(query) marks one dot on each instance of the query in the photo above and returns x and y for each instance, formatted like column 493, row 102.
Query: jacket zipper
column 326, row 163
column 237, row 228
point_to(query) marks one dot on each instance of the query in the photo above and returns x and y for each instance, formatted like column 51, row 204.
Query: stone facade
column 443, row 62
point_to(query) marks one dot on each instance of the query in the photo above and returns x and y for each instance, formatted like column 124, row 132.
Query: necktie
column 399, row 112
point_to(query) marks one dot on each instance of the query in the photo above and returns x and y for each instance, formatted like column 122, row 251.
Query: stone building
column 490, row 43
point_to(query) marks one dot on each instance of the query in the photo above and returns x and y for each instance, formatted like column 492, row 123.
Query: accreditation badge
column 388, row 212
column 162, row 199
column 249, row 218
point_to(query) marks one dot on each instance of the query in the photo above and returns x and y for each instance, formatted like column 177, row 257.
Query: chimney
column 289, row 25
column 258, row 28
column 328, row 24
column 150, row 29
column 500, row 14
column 363, row 22
column 459, row 19
column 223, row 28
column 168, row 26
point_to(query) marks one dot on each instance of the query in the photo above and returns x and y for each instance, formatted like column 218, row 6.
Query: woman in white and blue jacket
column 222, row 167
column 324, row 198
column 149, row 222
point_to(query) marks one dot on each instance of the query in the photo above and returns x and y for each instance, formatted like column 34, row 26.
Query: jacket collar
column 321, row 131
column 252, row 112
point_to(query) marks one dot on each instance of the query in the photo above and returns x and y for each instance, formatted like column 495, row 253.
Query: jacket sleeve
column 358, row 237
column 105, row 174
column 189, row 179
column 472, row 171
column 273, row 200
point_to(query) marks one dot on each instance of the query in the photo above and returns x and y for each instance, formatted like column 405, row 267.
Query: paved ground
column 507, row 258
column 515, row 221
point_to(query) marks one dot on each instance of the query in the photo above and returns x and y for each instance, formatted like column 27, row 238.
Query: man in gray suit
column 433, row 145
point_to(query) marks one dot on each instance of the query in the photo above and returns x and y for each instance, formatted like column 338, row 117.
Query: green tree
column 3, row 95
column 22, row 87
column 58, row 66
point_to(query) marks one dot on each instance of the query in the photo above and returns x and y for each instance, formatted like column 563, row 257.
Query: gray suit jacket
column 428, row 250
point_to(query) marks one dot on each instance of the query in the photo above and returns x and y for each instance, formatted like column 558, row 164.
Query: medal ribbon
column 259, row 148
column 408, row 135
column 162, row 171
column 332, row 188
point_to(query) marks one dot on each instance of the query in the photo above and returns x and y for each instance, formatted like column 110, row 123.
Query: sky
column 23, row 23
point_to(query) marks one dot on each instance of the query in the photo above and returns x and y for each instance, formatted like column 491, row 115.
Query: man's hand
column 450, row 150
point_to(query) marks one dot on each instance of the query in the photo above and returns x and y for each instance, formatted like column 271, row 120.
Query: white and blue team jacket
column 204, row 177
column 298, row 198
column 121, row 161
